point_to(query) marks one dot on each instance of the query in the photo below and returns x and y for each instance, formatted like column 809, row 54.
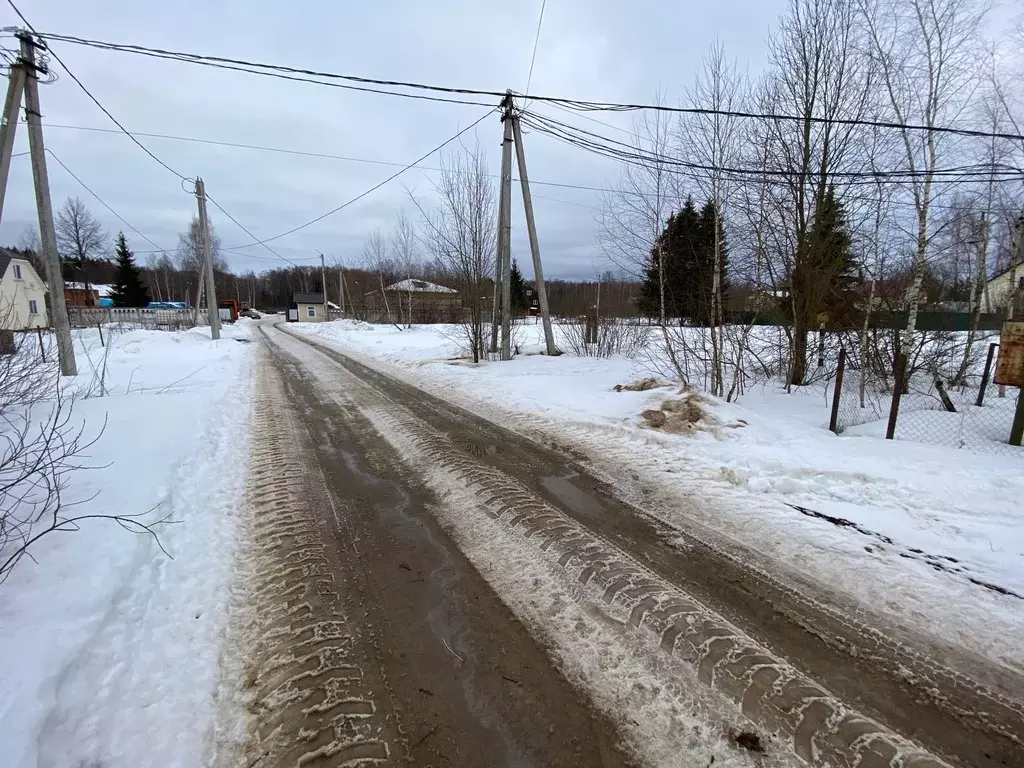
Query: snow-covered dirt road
column 430, row 586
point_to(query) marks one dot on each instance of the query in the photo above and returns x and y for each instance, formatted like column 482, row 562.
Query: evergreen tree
column 710, row 220
column 687, row 246
column 519, row 302
column 826, row 280
column 128, row 289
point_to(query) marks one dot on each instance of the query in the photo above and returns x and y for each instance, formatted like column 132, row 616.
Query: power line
column 536, row 40
column 94, row 99
column 371, row 161
column 624, row 152
column 371, row 189
column 104, row 203
column 574, row 104
column 250, row 234
column 294, row 74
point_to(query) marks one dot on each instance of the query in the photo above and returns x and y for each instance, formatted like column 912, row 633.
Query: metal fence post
column 897, row 391
column 99, row 327
column 984, row 377
column 1017, row 430
column 833, row 422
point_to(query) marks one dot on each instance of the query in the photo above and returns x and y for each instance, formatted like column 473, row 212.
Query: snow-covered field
column 926, row 535
column 108, row 648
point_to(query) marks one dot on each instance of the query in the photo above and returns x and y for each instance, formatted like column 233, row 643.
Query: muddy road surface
column 430, row 588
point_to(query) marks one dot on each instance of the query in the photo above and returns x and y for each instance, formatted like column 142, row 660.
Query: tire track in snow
column 308, row 696
column 770, row 692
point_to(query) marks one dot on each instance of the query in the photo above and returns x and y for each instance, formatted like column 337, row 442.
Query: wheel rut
column 310, row 699
column 549, row 503
column 372, row 641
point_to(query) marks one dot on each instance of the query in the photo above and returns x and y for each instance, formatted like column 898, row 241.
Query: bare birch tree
column 927, row 55
column 820, row 77
column 634, row 214
column 377, row 258
column 713, row 140
column 460, row 233
column 405, row 249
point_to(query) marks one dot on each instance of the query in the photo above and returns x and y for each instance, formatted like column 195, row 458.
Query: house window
column 311, row 311
column 17, row 271
column 33, row 307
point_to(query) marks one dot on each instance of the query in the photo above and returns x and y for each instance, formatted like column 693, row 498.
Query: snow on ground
column 108, row 648
column 914, row 532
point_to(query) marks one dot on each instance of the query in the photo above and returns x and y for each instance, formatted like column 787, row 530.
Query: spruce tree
column 128, row 289
column 687, row 247
column 710, row 221
column 519, row 302
column 832, row 265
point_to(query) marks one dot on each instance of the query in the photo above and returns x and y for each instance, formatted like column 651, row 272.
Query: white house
column 1001, row 287
column 306, row 308
column 22, row 294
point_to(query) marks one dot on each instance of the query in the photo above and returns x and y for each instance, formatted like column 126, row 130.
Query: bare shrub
column 614, row 337
column 41, row 448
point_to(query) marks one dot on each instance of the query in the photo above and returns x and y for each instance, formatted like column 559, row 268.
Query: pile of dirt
column 683, row 415
column 642, row 385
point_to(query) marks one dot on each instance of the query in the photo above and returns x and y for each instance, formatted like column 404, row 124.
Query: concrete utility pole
column 531, row 226
column 323, row 285
column 47, row 235
column 505, row 230
column 15, row 89
column 211, row 291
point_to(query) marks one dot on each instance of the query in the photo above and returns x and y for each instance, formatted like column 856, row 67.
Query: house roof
column 103, row 291
column 307, row 298
column 419, row 286
column 5, row 259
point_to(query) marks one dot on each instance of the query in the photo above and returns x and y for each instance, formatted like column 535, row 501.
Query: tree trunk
column 798, row 370
column 979, row 278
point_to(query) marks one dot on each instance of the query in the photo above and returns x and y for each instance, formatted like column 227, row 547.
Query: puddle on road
column 447, row 617
column 574, row 497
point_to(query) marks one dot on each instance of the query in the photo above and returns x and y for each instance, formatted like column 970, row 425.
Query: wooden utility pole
column 211, row 290
column 505, row 230
column 323, row 286
column 15, row 89
column 47, row 235
column 531, row 226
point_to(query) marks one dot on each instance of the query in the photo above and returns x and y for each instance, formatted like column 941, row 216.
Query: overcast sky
column 589, row 49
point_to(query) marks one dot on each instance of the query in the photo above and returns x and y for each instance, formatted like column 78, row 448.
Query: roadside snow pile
column 108, row 648
column 929, row 536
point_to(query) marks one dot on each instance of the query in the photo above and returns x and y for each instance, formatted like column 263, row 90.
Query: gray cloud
column 591, row 50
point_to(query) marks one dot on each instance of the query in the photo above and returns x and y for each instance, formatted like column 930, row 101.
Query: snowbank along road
column 427, row 586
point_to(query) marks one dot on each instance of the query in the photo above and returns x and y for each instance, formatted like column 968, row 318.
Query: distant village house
column 79, row 295
column 306, row 308
column 419, row 301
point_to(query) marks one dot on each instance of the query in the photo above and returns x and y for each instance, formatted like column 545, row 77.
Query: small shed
column 307, row 308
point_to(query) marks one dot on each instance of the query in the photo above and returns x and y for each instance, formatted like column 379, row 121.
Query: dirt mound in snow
column 683, row 415
column 641, row 385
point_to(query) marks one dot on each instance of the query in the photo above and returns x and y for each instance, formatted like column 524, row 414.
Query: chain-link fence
column 945, row 396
